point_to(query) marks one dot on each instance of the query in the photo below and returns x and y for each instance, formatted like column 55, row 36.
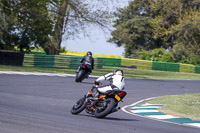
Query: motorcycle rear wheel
column 79, row 106
column 80, row 76
column 111, row 103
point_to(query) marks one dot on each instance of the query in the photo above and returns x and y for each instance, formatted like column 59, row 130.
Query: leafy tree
column 6, row 20
column 177, row 21
column 72, row 16
column 43, row 23
column 188, row 31
column 183, row 55
column 33, row 23
column 28, row 23
column 3, row 25
column 133, row 29
column 149, row 24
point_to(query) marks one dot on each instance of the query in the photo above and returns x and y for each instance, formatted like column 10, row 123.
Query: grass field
column 128, row 73
column 187, row 105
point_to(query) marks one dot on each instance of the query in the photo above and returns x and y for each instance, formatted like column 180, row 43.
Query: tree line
column 144, row 26
column 44, row 23
column 173, row 25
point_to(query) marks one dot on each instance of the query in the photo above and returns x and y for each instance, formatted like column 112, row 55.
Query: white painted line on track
column 146, row 107
column 162, row 116
column 143, row 111
column 193, row 124
column 41, row 74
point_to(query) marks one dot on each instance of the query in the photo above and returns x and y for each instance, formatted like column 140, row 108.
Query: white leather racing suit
column 116, row 82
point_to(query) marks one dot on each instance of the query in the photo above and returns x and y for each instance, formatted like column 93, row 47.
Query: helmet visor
column 119, row 73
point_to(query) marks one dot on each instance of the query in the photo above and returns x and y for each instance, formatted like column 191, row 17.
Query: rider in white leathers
column 116, row 81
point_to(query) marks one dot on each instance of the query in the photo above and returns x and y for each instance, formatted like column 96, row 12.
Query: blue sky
column 97, row 42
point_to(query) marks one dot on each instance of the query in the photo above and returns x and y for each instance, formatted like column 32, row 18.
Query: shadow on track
column 108, row 118
column 119, row 119
column 87, row 83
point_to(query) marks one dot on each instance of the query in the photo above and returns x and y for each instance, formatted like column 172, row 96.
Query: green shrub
column 62, row 49
column 157, row 54
column 145, row 55
column 194, row 59
column 167, row 57
column 154, row 55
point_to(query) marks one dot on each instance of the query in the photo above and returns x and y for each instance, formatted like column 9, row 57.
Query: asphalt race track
column 42, row 104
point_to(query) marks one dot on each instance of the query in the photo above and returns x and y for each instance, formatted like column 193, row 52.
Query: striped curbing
column 150, row 111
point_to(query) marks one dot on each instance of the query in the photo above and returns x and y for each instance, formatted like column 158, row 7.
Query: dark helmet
column 119, row 72
column 89, row 53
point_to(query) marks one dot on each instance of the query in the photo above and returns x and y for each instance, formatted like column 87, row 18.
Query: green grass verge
column 187, row 105
column 128, row 73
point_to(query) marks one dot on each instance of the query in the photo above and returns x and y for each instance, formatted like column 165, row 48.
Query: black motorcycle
column 99, row 106
column 82, row 73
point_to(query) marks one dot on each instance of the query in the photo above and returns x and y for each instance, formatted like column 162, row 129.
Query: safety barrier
column 61, row 61
column 111, row 62
column 28, row 60
column 11, row 58
column 139, row 64
column 57, row 61
column 68, row 61
column 197, row 69
column 187, row 68
column 165, row 66
column 43, row 60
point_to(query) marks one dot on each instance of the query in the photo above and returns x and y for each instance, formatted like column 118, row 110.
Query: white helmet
column 119, row 72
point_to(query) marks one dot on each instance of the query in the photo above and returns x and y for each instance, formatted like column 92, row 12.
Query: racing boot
column 77, row 70
column 87, row 75
column 115, row 109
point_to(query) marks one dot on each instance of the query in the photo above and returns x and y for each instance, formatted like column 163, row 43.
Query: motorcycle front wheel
column 79, row 106
column 102, row 112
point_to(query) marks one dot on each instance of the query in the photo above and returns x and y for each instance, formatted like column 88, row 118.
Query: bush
column 145, row 55
column 154, row 55
column 194, row 59
column 62, row 49
column 177, row 54
column 157, row 54
column 167, row 57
